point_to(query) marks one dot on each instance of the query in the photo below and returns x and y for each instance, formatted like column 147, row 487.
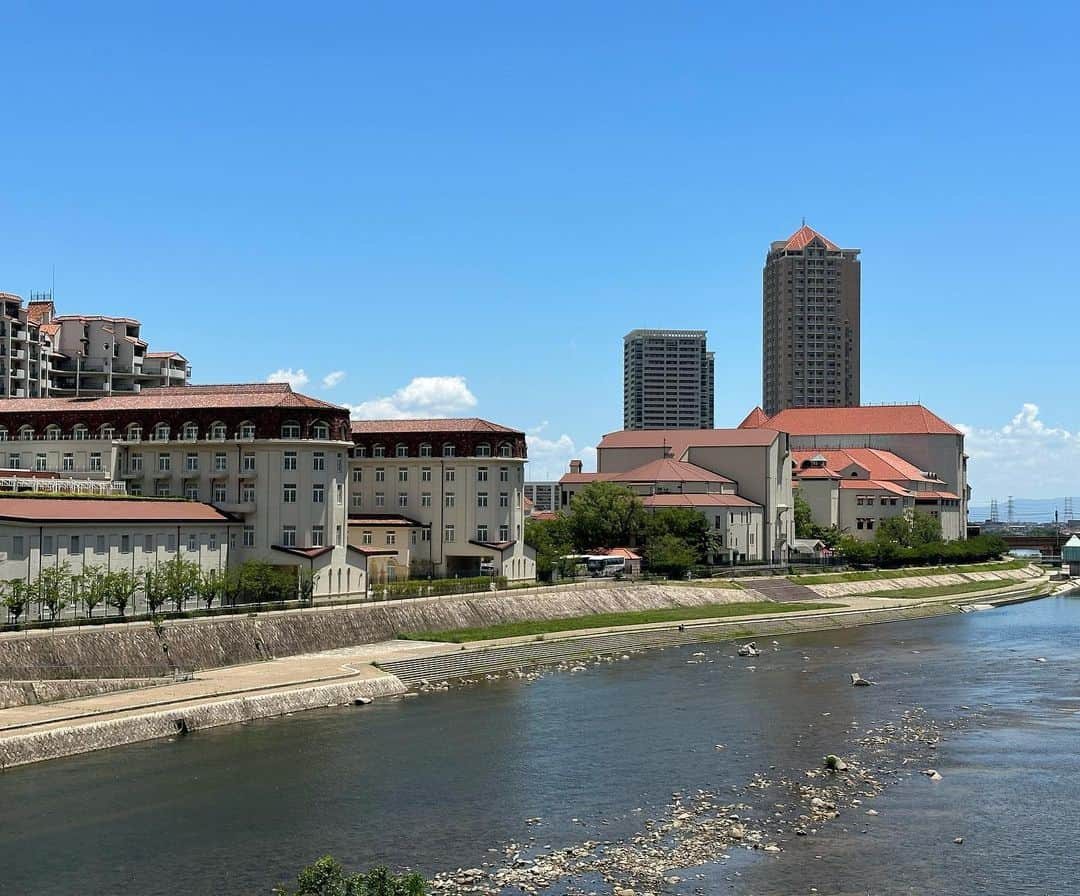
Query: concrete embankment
column 929, row 580
column 86, row 736
column 141, row 650
column 32, row 693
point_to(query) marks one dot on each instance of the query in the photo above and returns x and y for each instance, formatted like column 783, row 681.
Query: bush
column 888, row 554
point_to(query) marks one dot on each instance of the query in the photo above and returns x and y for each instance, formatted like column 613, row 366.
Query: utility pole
column 1009, row 510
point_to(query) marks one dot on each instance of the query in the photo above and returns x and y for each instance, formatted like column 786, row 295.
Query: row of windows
column 162, row 432
column 450, row 474
column 367, row 537
column 102, row 544
column 505, row 449
column 449, row 499
column 868, row 501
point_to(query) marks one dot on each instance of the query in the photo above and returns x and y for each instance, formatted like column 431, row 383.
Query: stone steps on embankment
column 784, row 590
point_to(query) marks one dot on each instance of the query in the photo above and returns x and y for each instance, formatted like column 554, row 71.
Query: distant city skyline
column 466, row 218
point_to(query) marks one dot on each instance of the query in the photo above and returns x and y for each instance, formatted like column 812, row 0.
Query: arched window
column 425, row 450
column 448, row 450
column 483, row 450
column 246, row 430
column 402, row 450
column 505, row 450
column 378, row 451
column 290, row 429
column 320, row 430
column 134, row 432
column 80, row 432
column 191, row 431
column 360, row 451
column 218, row 431
column 26, row 433
column 107, row 432
column 3, row 434
column 52, row 432
column 161, row 432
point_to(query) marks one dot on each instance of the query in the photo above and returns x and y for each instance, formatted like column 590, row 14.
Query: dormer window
column 425, row 450
column 108, row 433
column 448, row 450
column 483, row 450
column 246, row 430
column 191, row 432
column 134, row 433
column 504, row 450
column 401, row 451
column 290, row 430
column 379, row 451
column 52, row 433
column 218, row 431
column 161, row 432
column 320, row 430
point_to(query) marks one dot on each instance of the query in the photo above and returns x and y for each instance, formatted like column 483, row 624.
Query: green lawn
column 871, row 575
column 943, row 590
column 610, row 620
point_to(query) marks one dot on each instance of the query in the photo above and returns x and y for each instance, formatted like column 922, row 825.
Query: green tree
column 16, row 597
column 54, row 589
column 326, row 877
column 306, row 584
column 670, row 555
column 691, row 527
column 154, row 588
column 909, row 531
column 120, row 587
column 805, row 527
column 178, row 580
column 92, row 587
column 209, row 586
column 551, row 540
column 605, row 515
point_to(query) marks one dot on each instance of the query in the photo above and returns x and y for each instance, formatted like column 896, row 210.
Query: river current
column 446, row 780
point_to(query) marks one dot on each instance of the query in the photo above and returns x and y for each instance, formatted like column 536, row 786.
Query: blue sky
column 497, row 192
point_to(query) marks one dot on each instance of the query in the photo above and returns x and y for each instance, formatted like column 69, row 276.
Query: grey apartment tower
column 667, row 380
column 810, row 324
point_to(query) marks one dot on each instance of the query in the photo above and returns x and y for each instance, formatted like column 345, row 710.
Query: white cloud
column 333, row 378
column 1025, row 457
column 424, row 396
column 295, row 378
column 549, row 457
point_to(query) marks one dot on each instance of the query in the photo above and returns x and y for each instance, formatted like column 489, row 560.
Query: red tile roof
column 879, row 464
column 108, row 510
column 874, row 485
column 697, row 501
column 436, row 424
column 308, row 553
column 581, row 478
column 368, row 551
column 895, row 419
column 625, row 553
column 934, row 496
column 165, row 355
column 755, row 419
column 817, row 473
column 668, row 470
column 382, row 519
column 244, row 395
column 677, row 441
column 544, row 515
column 802, row 238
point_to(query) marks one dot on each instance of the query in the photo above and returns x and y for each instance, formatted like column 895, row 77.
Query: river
column 445, row 780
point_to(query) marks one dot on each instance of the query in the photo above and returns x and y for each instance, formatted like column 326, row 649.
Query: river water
column 445, row 780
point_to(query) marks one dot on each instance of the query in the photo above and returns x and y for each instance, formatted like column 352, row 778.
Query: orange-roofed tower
column 810, row 324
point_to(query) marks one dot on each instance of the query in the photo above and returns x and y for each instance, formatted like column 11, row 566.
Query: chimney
column 575, row 466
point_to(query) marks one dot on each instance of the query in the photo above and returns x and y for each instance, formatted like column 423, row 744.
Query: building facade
column 543, row 495
column 274, row 460
column 45, row 355
column 810, row 324
column 446, row 495
column 668, row 380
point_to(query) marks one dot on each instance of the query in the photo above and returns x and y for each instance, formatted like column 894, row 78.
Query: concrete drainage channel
column 481, row 661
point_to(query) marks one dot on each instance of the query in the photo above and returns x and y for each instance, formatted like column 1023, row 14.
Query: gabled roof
column 877, row 463
column 108, row 511
column 678, row 441
column 432, row 425
column 755, row 419
column 875, row 485
column 668, row 470
column 695, row 500
column 383, row 519
column 897, row 419
column 805, row 235
column 307, row 553
column 935, row 496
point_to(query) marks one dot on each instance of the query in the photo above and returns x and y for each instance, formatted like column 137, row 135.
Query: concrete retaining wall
column 90, row 736
column 848, row 589
column 139, row 650
column 29, row 693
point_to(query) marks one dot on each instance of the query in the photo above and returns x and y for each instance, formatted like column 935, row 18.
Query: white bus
column 603, row 566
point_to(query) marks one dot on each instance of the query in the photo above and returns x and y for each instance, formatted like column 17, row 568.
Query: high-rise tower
column 810, row 324
column 667, row 380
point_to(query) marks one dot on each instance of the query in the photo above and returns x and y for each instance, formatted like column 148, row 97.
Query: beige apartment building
column 43, row 354
column 276, row 462
column 445, row 495
column 810, row 323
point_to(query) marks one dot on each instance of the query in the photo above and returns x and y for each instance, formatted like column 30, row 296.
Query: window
column 162, row 489
column 481, row 533
column 504, row 499
column 40, row 461
column 191, row 462
column 249, row 536
column 67, row 462
column 247, row 464
column 134, row 433
column 3, row 434
column 425, row 450
column 47, row 544
column 391, row 537
column 290, row 430
column 219, row 493
column 448, row 534
column 95, row 461
column 192, row 542
column 380, row 499
column 81, row 433
column 221, row 462
column 401, row 451
column 52, row 433
column 14, row 461
column 318, row 493
column 403, row 499
column 450, row 474
column 212, row 544
column 357, row 500
column 481, row 474
column 425, row 499
column 358, row 475
column 504, row 450
column 73, row 545
column 246, row 430
column 504, row 474
column 320, row 431
column 425, row 474
column 447, row 450
column 425, row 534
column 483, row 450
column 161, row 432
column 136, row 489
column 26, row 433
column 360, row 451
column 365, row 538
column 217, row 431
column 288, row 536
column 191, row 432
column 191, row 491
column 481, row 499
column 449, row 498
column 380, row 474
column 125, row 544
column 289, row 460
column 318, row 461
column 135, row 463
column 288, row 493
column 148, row 544
column 504, row 533
column 403, row 474
column 18, row 546
column 164, row 463
column 378, row 451
column 317, row 536
column 247, row 493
